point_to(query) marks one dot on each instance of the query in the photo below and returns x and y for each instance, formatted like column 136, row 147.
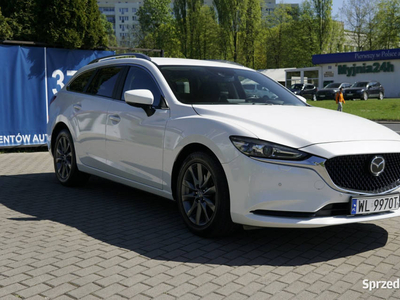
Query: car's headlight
column 258, row 148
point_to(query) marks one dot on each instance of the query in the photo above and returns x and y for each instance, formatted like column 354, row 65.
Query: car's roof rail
column 115, row 56
column 225, row 61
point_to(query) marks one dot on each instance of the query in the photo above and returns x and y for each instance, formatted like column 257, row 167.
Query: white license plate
column 322, row 96
column 350, row 94
column 370, row 205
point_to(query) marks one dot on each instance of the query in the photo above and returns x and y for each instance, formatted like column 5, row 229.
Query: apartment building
column 122, row 14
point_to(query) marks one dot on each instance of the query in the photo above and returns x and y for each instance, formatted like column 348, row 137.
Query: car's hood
column 298, row 126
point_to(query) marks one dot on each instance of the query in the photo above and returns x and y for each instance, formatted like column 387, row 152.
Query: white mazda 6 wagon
column 186, row 130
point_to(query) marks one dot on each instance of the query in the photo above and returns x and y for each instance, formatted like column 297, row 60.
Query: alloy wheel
column 63, row 158
column 198, row 194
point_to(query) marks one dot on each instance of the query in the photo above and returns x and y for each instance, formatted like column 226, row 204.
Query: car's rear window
column 104, row 82
column 80, row 82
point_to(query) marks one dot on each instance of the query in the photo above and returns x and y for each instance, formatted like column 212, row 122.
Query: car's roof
column 164, row 61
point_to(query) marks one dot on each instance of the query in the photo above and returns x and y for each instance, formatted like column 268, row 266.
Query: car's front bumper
column 266, row 194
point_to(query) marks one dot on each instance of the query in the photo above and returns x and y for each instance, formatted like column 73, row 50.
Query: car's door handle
column 77, row 107
column 115, row 119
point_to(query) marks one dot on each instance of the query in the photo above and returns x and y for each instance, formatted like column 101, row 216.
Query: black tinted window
column 140, row 79
column 80, row 82
column 104, row 81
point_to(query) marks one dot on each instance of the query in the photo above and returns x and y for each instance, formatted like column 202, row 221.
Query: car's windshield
column 360, row 84
column 216, row 85
column 332, row 85
column 297, row 86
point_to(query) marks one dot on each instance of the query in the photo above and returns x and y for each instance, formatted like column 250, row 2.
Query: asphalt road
column 392, row 125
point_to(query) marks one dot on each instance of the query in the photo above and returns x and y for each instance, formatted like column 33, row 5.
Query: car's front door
column 373, row 89
column 134, row 140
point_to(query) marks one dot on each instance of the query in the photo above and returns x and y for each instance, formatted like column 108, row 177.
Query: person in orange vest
column 340, row 100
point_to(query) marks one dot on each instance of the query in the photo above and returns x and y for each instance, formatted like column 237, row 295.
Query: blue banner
column 26, row 88
column 356, row 56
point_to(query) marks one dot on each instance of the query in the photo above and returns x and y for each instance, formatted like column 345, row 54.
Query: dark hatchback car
column 330, row 90
column 364, row 90
column 306, row 90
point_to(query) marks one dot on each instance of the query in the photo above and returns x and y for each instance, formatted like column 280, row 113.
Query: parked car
column 255, row 90
column 364, row 90
column 330, row 90
column 306, row 90
column 187, row 131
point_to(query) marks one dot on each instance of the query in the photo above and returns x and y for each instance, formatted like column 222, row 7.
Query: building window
column 123, row 10
column 134, row 9
column 133, row 18
column 106, row 9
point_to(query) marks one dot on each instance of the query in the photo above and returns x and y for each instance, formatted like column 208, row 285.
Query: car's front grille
column 353, row 172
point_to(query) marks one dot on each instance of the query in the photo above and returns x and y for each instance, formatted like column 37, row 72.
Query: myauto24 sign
column 365, row 69
column 30, row 77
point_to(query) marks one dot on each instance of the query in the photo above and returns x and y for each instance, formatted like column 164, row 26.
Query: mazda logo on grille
column 377, row 165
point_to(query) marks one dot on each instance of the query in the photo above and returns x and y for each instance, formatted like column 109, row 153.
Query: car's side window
column 104, row 82
column 138, row 79
column 78, row 84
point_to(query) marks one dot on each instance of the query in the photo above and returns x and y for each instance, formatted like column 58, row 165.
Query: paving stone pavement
column 108, row 241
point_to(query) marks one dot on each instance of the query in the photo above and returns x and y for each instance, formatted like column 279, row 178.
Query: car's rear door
column 134, row 139
column 90, row 115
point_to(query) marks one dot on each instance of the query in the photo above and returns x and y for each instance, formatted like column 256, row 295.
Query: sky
column 337, row 5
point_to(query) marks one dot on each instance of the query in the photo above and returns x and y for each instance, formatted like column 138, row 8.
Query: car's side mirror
column 141, row 98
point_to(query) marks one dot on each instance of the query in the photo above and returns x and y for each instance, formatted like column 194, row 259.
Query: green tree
column 67, row 23
column 5, row 28
column 21, row 14
column 356, row 17
column 94, row 35
column 153, row 13
column 180, row 13
column 231, row 16
column 388, row 24
column 251, row 30
column 323, row 22
column 156, row 28
column 111, row 38
column 208, row 28
column 196, row 28
column 278, row 37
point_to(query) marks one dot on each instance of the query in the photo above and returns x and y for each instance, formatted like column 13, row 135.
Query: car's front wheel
column 364, row 96
column 64, row 158
column 314, row 97
column 203, row 196
column 380, row 97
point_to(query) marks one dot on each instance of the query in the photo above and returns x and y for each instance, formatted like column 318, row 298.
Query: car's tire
column 381, row 95
column 364, row 96
column 203, row 196
column 314, row 97
column 64, row 159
